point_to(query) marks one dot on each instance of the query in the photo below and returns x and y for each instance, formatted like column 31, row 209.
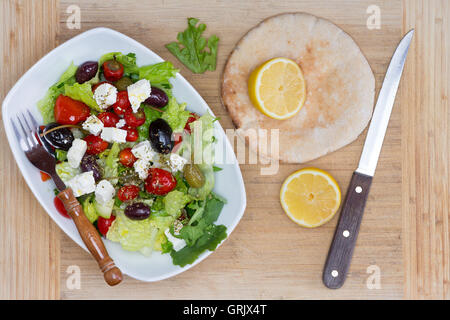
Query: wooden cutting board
column 404, row 235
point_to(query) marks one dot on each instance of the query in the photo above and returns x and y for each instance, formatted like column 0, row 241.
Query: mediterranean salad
column 140, row 164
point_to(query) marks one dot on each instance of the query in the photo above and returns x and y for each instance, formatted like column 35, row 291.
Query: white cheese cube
column 104, row 192
column 105, row 95
column 121, row 123
column 138, row 92
column 177, row 162
column 82, row 183
column 143, row 150
column 93, row 124
column 76, row 153
column 177, row 243
column 141, row 167
column 111, row 134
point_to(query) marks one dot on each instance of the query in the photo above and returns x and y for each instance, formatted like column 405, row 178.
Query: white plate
column 32, row 87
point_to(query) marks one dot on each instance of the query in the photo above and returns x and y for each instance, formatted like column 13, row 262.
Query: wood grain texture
column 405, row 230
column 267, row 256
column 29, row 239
column 425, row 151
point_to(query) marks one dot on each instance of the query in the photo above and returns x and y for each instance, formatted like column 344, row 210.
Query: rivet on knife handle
column 91, row 238
column 341, row 250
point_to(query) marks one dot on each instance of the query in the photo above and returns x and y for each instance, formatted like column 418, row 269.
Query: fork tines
column 28, row 138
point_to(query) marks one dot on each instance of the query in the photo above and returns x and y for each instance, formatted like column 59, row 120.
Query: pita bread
column 340, row 85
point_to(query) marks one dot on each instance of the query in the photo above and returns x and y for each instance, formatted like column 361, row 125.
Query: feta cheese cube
column 177, row 243
column 82, row 183
column 177, row 162
column 121, row 123
column 143, row 150
column 93, row 124
column 104, row 192
column 141, row 167
column 111, row 134
column 105, row 95
column 76, row 153
column 138, row 92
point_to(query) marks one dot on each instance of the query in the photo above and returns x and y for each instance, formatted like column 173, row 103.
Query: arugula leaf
column 193, row 55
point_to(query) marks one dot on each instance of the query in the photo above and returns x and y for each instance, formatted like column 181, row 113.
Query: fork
column 44, row 161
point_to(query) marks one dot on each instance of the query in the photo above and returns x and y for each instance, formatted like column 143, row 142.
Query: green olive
column 193, row 175
column 123, row 83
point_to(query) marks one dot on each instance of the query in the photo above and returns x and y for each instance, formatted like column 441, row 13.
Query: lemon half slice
column 277, row 88
column 310, row 197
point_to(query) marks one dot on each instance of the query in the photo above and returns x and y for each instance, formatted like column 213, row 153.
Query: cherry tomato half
column 132, row 134
column 127, row 158
column 109, row 119
column 122, row 104
column 159, row 181
column 112, row 70
column 104, row 224
column 191, row 119
column 135, row 119
column 69, row 111
column 128, row 192
column 95, row 144
column 59, row 205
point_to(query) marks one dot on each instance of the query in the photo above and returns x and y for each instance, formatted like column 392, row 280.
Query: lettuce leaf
column 174, row 201
column 158, row 73
column 190, row 48
column 88, row 204
column 82, row 92
column 47, row 104
column 65, row 171
column 176, row 115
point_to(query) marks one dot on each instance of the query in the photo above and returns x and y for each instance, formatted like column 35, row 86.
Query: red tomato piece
column 95, row 144
column 128, row 192
column 132, row 134
column 59, row 205
column 127, row 158
column 122, row 104
column 135, row 119
column 160, row 181
column 109, row 119
column 112, row 70
column 104, row 224
column 70, row 111
column 191, row 119
column 44, row 176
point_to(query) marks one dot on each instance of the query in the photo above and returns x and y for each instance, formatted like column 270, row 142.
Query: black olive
column 60, row 138
column 89, row 163
column 160, row 136
column 158, row 98
column 137, row 211
column 86, row 71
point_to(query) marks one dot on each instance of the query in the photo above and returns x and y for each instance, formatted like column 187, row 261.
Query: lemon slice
column 277, row 88
column 310, row 197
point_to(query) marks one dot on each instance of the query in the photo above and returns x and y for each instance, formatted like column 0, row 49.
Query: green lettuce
column 82, row 92
column 174, row 201
column 65, row 171
column 46, row 105
column 190, row 48
column 158, row 73
column 176, row 115
column 88, row 204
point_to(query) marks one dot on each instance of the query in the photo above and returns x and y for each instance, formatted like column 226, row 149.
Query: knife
column 344, row 240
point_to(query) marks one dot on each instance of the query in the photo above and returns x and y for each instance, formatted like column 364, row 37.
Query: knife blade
column 344, row 240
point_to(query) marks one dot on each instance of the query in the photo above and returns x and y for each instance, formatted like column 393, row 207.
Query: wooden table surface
column 404, row 236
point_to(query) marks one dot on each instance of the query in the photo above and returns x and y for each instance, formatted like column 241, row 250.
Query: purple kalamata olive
column 89, row 163
column 137, row 211
column 160, row 136
column 86, row 71
column 59, row 139
column 158, row 98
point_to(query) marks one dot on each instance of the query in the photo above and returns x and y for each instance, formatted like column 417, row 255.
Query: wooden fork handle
column 91, row 237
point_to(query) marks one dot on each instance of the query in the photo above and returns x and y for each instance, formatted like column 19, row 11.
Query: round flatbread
column 340, row 86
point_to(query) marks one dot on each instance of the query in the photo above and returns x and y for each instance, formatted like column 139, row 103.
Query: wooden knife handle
column 341, row 250
column 91, row 238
